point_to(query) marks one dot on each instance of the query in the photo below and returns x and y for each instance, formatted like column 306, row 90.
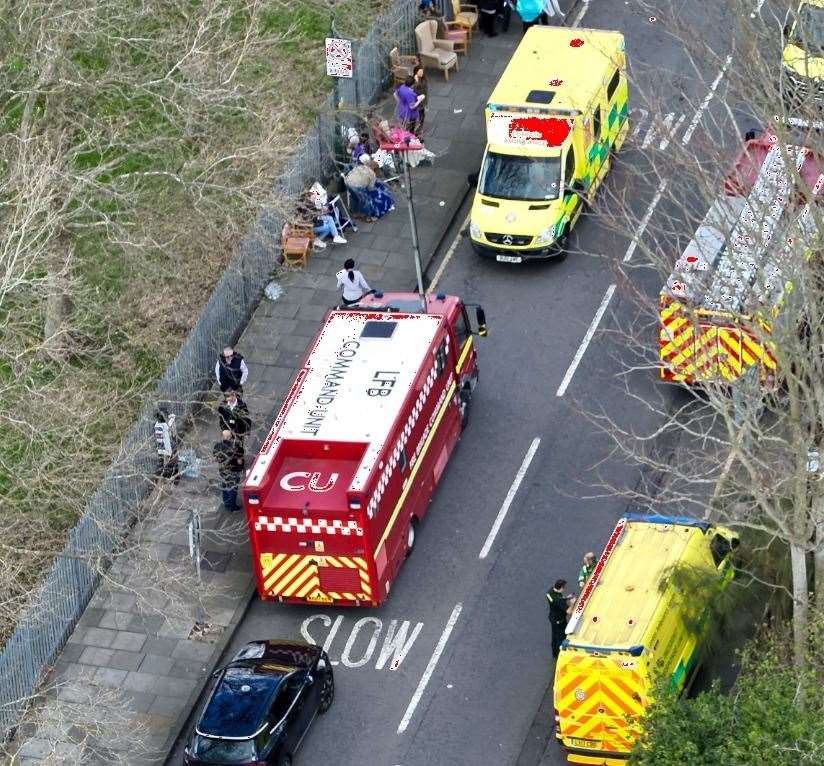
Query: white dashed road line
column 430, row 669
column 585, row 342
column 449, row 253
column 510, row 496
column 705, row 103
column 644, row 221
column 581, row 13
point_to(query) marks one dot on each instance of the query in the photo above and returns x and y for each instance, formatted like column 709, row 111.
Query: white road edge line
column 644, row 221
column 585, row 342
column 449, row 253
column 430, row 668
column 510, row 496
column 581, row 13
column 705, row 103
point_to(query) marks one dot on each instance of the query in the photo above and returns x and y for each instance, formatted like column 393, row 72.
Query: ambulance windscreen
column 378, row 329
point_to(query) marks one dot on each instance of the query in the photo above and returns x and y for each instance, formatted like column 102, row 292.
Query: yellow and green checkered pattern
column 598, row 152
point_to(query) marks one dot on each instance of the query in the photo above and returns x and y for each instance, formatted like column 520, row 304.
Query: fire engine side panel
column 407, row 474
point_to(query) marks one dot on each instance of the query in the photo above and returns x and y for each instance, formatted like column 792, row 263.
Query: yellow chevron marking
column 281, row 570
column 301, row 579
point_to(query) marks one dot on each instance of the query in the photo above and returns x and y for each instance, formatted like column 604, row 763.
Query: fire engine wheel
column 411, row 534
column 327, row 693
column 466, row 400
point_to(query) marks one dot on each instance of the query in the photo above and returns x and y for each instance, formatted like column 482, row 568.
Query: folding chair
column 341, row 213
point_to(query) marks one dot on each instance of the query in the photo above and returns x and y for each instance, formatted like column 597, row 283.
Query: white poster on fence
column 338, row 57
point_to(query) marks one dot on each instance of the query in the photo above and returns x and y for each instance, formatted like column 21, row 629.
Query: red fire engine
column 350, row 465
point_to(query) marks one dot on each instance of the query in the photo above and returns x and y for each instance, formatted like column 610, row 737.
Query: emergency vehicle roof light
column 378, row 294
column 354, row 505
column 636, row 651
column 657, row 518
column 441, row 296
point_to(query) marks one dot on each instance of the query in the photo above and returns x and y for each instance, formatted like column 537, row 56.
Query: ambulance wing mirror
column 472, row 179
column 577, row 187
column 480, row 317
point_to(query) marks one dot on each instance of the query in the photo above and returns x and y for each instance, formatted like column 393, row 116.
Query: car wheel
column 327, row 693
column 411, row 534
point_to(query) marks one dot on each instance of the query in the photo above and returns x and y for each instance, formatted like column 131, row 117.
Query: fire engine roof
column 352, row 385
column 747, row 249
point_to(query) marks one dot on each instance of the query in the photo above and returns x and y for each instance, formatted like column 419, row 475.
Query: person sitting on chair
column 315, row 209
column 374, row 198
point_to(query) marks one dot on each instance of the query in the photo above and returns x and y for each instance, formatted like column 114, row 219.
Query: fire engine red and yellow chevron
column 307, row 576
column 693, row 349
column 594, row 697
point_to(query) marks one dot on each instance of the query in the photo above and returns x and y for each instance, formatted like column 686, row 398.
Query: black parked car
column 261, row 705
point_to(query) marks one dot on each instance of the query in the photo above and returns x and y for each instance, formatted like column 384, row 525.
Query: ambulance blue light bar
column 521, row 109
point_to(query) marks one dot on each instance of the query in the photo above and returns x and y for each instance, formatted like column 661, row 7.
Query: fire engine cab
column 347, row 471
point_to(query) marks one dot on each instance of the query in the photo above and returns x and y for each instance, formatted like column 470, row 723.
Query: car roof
column 241, row 699
column 294, row 654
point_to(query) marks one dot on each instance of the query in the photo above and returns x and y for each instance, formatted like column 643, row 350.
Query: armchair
column 434, row 53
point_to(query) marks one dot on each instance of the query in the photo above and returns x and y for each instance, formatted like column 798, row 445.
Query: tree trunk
column 818, row 520
column 798, row 559
column 59, row 304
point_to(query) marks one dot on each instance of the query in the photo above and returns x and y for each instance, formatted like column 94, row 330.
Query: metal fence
column 47, row 622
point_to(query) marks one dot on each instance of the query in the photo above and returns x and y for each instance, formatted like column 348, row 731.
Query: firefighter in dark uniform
column 558, row 605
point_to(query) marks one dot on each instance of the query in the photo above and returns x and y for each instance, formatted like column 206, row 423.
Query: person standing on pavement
column 231, row 370
column 408, row 103
column 351, row 283
column 531, row 13
column 233, row 415
column 586, row 570
column 229, row 457
column 421, row 88
column 505, row 13
column 558, row 607
column 488, row 10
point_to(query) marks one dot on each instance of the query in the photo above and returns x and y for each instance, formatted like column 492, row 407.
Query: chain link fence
column 54, row 610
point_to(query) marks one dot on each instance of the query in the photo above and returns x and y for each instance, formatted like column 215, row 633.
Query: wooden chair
column 458, row 34
column 296, row 243
column 465, row 15
column 402, row 66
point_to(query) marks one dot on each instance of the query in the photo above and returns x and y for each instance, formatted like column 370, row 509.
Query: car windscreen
column 508, row 176
column 210, row 750
column 809, row 30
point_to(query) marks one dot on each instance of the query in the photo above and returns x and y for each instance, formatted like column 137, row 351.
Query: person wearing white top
column 352, row 283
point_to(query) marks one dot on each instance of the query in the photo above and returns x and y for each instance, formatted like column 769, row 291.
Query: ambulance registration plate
column 589, row 744
column 319, row 598
column 509, row 258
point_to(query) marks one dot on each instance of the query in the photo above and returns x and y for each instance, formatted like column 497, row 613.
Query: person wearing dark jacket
column 558, row 605
column 231, row 370
column 488, row 10
column 228, row 454
column 233, row 415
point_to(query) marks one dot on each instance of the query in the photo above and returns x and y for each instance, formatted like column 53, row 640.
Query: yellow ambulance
column 634, row 623
column 802, row 76
column 553, row 120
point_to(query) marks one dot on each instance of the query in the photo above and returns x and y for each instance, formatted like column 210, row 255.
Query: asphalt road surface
column 454, row 667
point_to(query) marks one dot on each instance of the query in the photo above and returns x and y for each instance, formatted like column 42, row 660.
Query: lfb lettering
column 384, row 381
column 296, row 481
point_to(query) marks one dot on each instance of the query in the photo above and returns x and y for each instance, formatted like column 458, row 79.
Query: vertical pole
column 413, row 223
